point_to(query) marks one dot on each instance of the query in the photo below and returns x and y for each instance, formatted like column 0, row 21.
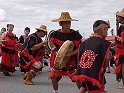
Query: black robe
column 92, row 55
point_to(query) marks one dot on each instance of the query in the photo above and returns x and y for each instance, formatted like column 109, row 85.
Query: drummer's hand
column 53, row 47
column 68, row 55
column 45, row 41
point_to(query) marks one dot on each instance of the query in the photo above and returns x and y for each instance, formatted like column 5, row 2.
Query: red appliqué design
column 87, row 59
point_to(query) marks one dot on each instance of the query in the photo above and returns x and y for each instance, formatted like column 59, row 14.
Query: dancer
column 21, row 41
column 32, row 53
column 9, row 51
column 93, row 59
column 120, row 47
column 57, row 39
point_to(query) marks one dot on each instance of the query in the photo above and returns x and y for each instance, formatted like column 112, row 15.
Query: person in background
column 9, row 51
column 22, row 38
column 46, row 58
column 93, row 57
column 2, row 31
column 21, row 41
column 119, row 39
column 111, row 62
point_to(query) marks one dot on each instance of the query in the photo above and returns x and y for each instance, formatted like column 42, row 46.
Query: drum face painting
column 61, row 60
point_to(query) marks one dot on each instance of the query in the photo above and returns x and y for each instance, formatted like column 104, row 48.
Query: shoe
column 23, row 73
column 121, row 87
column 45, row 63
column 28, row 82
column 49, row 70
column 6, row 74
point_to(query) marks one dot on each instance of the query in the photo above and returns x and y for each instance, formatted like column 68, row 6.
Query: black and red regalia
column 58, row 38
column 119, row 39
column 29, row 57
column 9, row 53
column 91, row 66
column 22, row 39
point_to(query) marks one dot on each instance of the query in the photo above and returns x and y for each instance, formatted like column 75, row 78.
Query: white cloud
column 33, row 13
column 3, row 16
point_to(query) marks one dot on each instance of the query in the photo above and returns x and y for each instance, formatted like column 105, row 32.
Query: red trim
column 52, row 40
column 118, row 66
column 56, row 41
column 118, row 69
column 82, row 78
column 76, row 43
column 102, row 68
column 122, row 35
column 59, row 42
column 119, row 52
column 30, row 57
column 29, row 64
column 119, row 45
column 58, row 73
column 52, row 58
column 98, row 91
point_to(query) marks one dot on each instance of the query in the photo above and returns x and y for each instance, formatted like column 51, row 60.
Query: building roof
column 110, row 38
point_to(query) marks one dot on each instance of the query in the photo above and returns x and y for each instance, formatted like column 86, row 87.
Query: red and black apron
column 27, row 56
column 92, row 55
column 58, row 38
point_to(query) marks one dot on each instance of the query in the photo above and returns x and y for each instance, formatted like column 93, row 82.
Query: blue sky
column 33, row 13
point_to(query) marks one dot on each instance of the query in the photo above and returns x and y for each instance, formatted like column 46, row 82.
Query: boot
column 28, row 78
column 25, row 76
column 6, row 74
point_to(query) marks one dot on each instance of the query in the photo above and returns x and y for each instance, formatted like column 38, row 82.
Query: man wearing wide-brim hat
column 32, row 53
column 119, row 39
column 119, row 18
column 42, row 28
column 57, row 39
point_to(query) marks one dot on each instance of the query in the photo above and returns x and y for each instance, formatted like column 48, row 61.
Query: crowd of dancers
column 87, row 63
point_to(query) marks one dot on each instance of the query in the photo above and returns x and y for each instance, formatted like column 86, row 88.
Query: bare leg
column 79, row 85
column 108, row 69
column 122, row 86
column 54, row 83
column 32, row 73
column 37, row 65
column 114, row 68
column 82, row 90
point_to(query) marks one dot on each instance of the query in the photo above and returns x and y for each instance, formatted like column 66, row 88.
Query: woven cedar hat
column 42, row 28
column 120, row 13
column 65, row 16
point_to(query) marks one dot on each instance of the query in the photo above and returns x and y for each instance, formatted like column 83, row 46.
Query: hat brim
column 58, row 20
column 41, row 30
column 120, row 14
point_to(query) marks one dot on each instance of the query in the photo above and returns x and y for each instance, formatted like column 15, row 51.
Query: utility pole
column 112, row 32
